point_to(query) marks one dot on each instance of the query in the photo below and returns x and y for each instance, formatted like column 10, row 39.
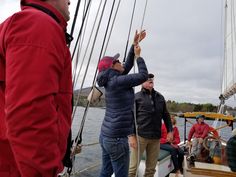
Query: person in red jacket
column 35, row 89
column 198, row 131
column 177, row 154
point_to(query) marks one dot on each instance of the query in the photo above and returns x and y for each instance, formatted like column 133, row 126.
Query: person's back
column 119, row 97
column 35, row 89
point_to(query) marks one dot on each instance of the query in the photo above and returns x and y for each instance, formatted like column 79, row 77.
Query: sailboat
column 219, row 167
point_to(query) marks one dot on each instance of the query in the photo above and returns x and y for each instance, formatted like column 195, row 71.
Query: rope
column 79, row 49
column 87, row 168
column 205, row 141
column 135, row 116
column 113, row 22
column 105, row 36
column 75, row 18
column 131, row 22
column 78, row 139
column 81, row 28
column 103, row 43
column 76, row 79
column 90, row 144
column 90, row 56
column 144, row 14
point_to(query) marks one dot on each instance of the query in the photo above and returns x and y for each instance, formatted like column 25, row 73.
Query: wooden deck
column 201, row 169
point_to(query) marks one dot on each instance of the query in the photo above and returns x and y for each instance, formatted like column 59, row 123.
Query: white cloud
column 183, row 47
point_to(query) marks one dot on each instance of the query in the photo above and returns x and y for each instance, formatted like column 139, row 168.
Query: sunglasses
column 115, row 61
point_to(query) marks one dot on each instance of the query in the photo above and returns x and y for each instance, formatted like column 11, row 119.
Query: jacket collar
column 147, row 91
column 51, row 11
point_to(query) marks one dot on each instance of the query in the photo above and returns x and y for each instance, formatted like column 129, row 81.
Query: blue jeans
column 115, row 156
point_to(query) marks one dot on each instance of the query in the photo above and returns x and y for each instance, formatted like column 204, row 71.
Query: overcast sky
column 183, row 47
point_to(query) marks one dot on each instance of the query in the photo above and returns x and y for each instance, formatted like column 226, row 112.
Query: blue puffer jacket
column 119, row 96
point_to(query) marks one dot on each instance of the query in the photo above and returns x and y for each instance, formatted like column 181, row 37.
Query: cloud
column 183, row 47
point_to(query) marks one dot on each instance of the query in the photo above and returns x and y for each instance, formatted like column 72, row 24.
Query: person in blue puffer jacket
column 118, row 122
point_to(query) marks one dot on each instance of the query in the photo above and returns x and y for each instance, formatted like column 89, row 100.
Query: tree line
column 173, row 106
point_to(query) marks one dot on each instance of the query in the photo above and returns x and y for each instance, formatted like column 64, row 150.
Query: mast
column 229, row 83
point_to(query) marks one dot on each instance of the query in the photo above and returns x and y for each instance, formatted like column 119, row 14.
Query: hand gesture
column 169, row 137
column 138, row 37
column 189, row 144
column 200, row 140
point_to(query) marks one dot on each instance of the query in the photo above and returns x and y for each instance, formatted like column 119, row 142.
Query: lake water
column 88, row 162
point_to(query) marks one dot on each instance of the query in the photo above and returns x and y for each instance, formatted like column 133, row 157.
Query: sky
column 183, row 47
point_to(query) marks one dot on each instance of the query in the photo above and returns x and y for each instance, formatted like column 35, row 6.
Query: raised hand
column 138, row 37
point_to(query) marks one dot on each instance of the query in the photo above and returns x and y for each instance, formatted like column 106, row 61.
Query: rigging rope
column 131, row 22
column 75, row 18
column 78, row 139
column 144, row 14
column 79, row 135
column 89, row 59
column 85, row 53
column 81, row 29
column 103, row 43
column 76, row 61
column 135, row 116
column 113, row 22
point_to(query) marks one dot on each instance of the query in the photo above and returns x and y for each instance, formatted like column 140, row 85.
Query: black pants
column 177, row 155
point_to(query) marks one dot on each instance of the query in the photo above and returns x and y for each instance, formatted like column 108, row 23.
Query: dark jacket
column 119, row 97
column 231, row 153
column 150, row 110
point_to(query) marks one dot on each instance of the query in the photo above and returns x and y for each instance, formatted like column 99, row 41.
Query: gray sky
column 183, row 47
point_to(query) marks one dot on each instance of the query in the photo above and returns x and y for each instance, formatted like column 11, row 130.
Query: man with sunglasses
column 119, row 116
column 150, row 111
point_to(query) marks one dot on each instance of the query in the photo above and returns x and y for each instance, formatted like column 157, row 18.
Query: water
column 88, row 162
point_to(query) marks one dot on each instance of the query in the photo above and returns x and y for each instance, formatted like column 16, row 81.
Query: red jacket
column 176, row 137
column 198, row 130
column 35, row 92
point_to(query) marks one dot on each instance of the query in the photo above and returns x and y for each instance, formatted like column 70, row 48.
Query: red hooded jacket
column 176, row 137
column 35, row 92
column 199, row 131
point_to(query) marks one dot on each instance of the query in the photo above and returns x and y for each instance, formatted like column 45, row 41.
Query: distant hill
column 84, row 94
column 171, row 105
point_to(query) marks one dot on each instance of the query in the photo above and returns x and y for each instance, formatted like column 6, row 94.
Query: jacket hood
column 104, row 76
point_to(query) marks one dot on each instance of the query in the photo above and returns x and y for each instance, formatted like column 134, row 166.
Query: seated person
column 198, row 131
column 231, row 152
column 177, row 154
